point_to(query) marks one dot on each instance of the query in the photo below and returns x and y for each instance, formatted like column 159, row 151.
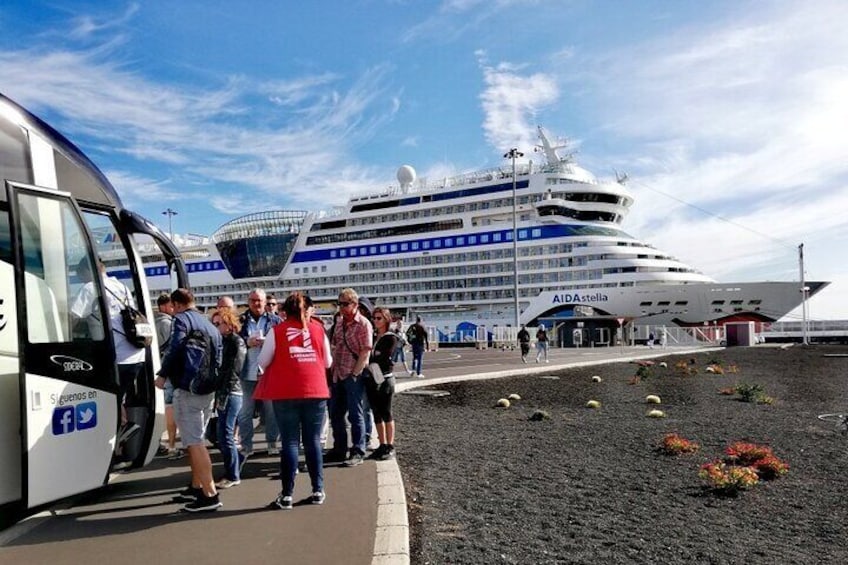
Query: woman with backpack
column 294, row 360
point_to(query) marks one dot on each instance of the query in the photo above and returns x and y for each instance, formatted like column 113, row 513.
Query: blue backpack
column 200, row 373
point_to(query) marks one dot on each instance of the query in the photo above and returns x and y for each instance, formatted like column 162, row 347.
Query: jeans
column 417, row 357
column 227, row 417
column 399, row 355
column 542, row 349
column 300, row 419
column 346, row 398
column 245, row 418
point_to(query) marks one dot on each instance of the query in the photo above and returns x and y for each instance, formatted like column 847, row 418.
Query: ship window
column 472, row 240
column 414, row 245
column 681, row 303
column 757, row 301
column 297, row 270
column 663, row 303
column 645, row 303
column 717, row 302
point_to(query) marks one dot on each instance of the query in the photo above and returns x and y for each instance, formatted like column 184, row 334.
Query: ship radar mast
column 550, row 150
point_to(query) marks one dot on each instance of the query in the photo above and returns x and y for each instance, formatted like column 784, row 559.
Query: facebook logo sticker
column 86, row 415
column 63, row 420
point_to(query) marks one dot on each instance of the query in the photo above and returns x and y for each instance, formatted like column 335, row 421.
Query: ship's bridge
column 258, row 245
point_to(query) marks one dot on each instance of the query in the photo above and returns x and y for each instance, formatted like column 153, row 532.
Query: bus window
column 55, row 253
column 110, row 249
column 8, row 328
column 13, row 147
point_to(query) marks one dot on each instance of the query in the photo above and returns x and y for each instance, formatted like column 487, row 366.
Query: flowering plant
column 746, row 454
column 770, row 467
column 728, row 479
column 674, row 444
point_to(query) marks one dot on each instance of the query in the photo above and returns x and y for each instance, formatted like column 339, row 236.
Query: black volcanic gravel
column 489, row 485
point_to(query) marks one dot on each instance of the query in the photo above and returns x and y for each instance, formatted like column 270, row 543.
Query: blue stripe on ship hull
column 454, row 242
column 162, row 270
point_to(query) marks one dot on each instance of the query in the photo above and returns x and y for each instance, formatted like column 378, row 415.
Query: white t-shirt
column 84, row 306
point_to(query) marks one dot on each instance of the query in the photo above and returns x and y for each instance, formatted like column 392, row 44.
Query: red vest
column 298, row 368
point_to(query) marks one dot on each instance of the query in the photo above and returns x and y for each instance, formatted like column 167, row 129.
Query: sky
column 727, row 116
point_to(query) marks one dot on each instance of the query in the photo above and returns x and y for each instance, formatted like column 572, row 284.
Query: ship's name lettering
column 568, row 298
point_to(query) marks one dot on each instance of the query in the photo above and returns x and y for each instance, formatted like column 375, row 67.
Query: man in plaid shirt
column 352, row 340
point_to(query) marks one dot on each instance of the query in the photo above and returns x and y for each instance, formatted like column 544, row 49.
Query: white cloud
column 510, row 103
column 211, row 133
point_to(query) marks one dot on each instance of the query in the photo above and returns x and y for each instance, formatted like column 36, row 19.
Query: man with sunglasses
column 351, row 344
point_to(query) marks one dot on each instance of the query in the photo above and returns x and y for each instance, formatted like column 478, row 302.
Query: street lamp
column 170, row 213
column 514, row 154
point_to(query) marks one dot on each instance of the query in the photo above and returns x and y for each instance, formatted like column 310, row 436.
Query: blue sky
column 218, row 109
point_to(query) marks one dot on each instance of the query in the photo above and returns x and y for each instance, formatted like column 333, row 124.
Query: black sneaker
column 283, row 502
column 204, row 504
column 354, row 460
column 127, row 431
column 378, row 453
column 388, row 453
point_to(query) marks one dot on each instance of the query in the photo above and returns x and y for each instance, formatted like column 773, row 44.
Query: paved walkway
column 134, row 520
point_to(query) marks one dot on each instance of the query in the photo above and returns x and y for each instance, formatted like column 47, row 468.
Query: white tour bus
column 59, row 408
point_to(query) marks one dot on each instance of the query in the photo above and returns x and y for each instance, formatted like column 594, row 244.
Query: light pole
column 804, row 290
column 170, row 213
column 514, row 154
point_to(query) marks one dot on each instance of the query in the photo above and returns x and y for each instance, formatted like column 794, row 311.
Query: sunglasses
column 344, row 304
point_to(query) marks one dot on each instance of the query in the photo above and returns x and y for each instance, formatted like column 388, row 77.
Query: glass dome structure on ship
column 258, row 245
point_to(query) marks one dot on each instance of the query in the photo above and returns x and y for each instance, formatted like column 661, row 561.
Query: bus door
column 68, row 392
column 145, row 404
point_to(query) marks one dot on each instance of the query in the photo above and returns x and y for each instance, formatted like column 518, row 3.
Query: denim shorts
column 169, row 392
column 192, row 412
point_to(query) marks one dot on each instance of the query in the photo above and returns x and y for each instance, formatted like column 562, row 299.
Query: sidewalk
column 134, row 520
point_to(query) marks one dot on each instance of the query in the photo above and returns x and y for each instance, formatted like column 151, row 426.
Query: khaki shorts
column 192, row 412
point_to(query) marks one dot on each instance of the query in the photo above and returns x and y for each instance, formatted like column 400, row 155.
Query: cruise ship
column 446, row 251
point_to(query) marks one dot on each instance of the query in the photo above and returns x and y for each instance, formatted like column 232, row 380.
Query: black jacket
column 234, row 353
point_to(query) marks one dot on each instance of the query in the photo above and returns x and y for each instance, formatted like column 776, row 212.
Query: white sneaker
column 227, row 483
column 273, row 452
column 420, row 376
